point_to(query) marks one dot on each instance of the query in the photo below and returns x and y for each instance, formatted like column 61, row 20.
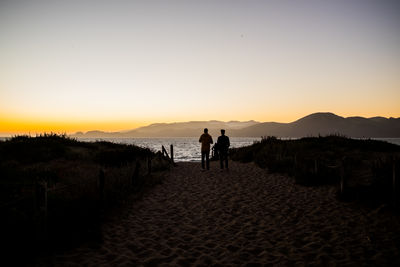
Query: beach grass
column 82, row 182
column 365, row 166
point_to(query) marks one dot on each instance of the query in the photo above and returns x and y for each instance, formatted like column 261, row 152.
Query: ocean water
column 188, row 148
column 185, row 148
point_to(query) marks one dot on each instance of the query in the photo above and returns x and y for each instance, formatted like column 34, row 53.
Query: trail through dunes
column 241, row 217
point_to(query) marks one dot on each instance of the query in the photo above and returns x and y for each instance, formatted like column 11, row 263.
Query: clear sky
column 115, row 65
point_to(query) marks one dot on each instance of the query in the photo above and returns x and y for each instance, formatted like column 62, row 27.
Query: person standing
column 223, row 148
column 205, row 140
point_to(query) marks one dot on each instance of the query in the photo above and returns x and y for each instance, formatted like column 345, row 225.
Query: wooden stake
column 164, row 151
column 135, row 174
column 394, row 182
column 101, row 186
column 45, row 209
column 41, row 208
column 172, row 153
column 315, row 167
column 148, row 165
column 342, row 177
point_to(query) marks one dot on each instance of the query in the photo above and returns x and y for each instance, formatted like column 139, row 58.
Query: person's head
column 205, row 130
column 222, row 131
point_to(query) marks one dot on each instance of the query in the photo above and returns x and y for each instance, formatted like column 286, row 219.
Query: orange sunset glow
column 68, row 67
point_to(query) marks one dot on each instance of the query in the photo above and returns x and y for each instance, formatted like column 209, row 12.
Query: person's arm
column 229, row 143
column 200, row 138
column 211, row 140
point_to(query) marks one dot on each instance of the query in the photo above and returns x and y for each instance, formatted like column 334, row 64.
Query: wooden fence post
column 394, row 183
column 41, row 207
column 45, row 207
column 41, row 196
column 164, row 151
column 172, row 153
column 342, row 176
column 149, row 165
column 101, row 186
column 315, row 166
column 135, row 174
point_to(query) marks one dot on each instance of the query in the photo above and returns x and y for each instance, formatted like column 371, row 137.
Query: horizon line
column 30, row 133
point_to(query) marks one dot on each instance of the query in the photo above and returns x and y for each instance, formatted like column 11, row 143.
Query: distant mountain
column 96, row 134
column 177, row 129
column 311, row 125
column 185, row 129
column 325, row 124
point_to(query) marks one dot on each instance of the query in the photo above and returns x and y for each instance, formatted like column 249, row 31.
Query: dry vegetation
column 366, row 165
column 84, row 181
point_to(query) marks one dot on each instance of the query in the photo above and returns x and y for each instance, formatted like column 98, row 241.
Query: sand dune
column 244, row 217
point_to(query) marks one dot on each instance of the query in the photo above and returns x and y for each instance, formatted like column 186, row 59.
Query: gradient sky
column 114, row 65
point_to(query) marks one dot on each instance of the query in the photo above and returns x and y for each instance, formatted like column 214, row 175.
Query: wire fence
column 375, row 179
column 70, row 202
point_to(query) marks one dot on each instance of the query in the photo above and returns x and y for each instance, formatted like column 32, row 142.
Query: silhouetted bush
column 367, row 164
column 76, row 200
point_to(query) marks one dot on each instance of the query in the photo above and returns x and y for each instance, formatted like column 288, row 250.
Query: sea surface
column 187, row 148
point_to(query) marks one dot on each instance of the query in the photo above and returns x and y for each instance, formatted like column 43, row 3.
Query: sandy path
column 242, row 217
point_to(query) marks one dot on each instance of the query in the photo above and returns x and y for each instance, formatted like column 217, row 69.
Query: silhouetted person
column 223, row 147
column 214, row 152
column 205, row 140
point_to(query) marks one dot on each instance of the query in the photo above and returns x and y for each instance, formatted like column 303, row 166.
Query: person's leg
column 203, row 154
column 208, row 159
column 221, row 160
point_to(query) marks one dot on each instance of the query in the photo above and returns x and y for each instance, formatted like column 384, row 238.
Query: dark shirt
column 205, row 140
column 223, row 143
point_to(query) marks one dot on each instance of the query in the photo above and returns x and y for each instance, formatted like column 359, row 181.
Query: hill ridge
column 320, row 123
